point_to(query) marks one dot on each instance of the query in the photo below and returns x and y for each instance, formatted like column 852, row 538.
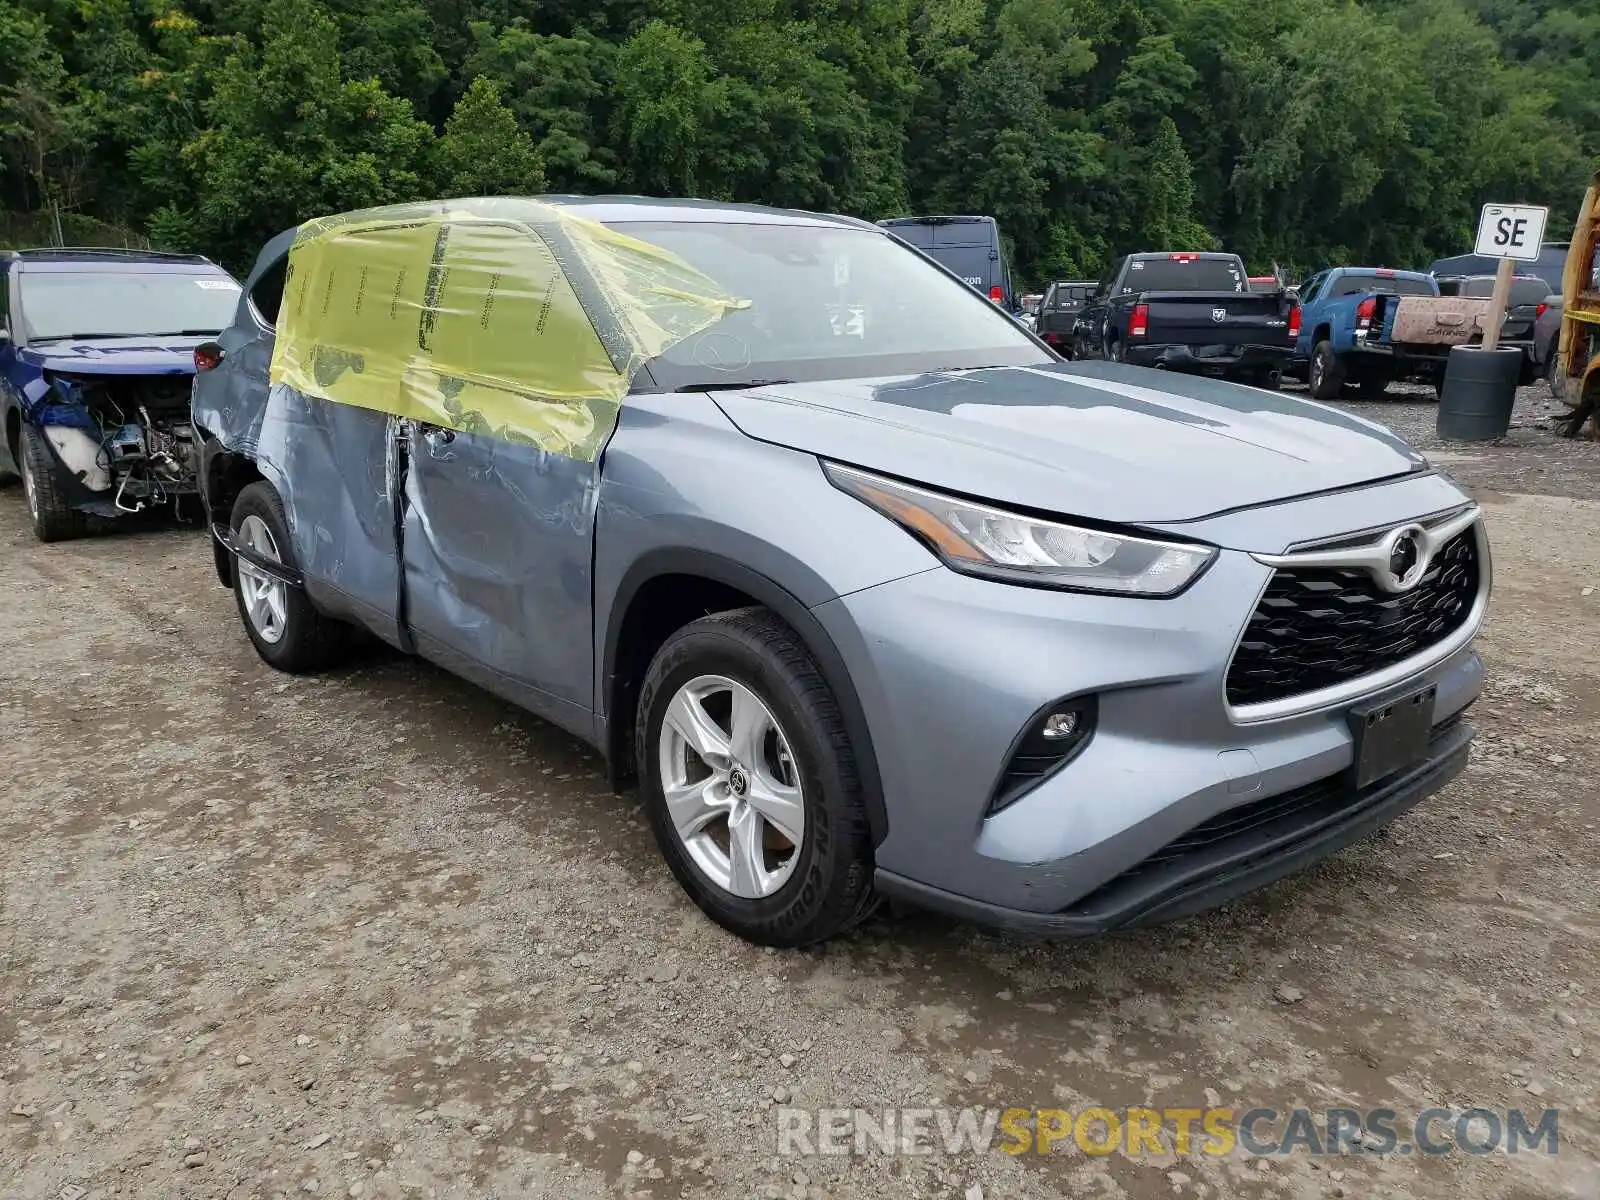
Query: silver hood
column 1097, row 440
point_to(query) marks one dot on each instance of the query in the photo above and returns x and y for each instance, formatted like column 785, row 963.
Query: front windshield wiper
column 730, row 387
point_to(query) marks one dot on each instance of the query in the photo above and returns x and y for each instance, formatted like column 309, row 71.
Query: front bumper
column 1213, row 360
column 950, row 668
column 1266, row 842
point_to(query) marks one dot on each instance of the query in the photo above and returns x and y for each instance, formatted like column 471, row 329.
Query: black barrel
column 1480, row 387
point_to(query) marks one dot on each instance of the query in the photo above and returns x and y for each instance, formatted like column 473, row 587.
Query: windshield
column 827, row 303
column 1183, row 275
column 1393, row 285
column 125, row 303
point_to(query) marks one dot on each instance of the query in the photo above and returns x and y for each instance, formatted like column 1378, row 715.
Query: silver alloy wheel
column 1318, row 370
column 30, row 489
column 731, row 785
column 266, row 600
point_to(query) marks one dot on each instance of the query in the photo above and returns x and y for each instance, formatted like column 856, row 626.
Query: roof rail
column 109, row 252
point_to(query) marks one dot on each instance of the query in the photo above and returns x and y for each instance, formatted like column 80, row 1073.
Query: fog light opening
column 1050, row 740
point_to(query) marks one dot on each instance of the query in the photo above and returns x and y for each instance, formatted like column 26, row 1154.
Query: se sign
column 1511, row 231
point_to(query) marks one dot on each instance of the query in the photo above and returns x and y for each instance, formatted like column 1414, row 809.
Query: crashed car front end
column 122, row 443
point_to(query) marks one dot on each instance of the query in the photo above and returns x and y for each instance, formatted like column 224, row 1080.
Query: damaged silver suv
column 873, row 593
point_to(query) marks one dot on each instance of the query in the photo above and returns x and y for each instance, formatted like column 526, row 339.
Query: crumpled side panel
column 505, row 317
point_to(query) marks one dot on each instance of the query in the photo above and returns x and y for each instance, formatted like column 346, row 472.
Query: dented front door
column 497, row 548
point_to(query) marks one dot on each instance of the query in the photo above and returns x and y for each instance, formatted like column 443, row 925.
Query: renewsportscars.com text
column 1211, row 1132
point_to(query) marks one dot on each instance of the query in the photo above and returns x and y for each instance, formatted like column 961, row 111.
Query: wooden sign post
column 1510, row 233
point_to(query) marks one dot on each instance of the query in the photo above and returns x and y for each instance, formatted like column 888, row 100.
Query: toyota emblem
column 1219, row 315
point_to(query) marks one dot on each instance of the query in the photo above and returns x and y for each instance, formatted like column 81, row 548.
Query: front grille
column 1316, row 627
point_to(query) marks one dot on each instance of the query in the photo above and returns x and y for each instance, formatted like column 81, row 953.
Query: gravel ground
column 1532, row 457
column 378, row 934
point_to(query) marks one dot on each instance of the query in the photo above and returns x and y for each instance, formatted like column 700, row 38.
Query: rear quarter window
column 267, row 294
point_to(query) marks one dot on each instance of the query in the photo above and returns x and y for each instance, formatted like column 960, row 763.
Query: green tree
column 1292, row 131
column 483, row 152
column 561, row 89
column 664, row 98
column 43, row 130
column 288, row 140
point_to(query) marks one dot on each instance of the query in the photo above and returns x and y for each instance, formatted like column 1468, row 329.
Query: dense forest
column 1298, row 132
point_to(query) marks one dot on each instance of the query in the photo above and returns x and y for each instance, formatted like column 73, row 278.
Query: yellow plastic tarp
column 513, row 318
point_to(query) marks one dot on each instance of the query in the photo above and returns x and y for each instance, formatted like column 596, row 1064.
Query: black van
column 969, row 246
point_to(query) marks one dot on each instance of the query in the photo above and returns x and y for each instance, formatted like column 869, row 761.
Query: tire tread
column 58, row 521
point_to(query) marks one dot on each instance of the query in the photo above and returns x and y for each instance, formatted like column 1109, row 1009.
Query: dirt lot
column 377, row 934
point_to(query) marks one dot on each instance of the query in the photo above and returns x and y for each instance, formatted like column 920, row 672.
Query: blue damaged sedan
column 872, row 594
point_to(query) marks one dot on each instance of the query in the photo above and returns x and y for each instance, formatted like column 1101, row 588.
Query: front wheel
column 54, row 519
column 750, row 781
column 284, row 626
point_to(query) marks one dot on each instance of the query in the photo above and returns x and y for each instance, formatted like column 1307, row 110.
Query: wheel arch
column 224, row 474
column 13, row 433
column 631, row 639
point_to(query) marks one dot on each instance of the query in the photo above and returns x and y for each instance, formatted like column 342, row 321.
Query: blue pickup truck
column 1370, row 326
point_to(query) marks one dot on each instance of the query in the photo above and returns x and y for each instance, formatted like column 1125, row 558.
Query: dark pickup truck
column 1189, row 312
column 1058, row 312
column 1530, row 298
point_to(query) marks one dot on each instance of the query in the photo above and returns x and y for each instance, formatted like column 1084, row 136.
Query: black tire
column 1372, row 387
column 310, row 641
column 830, row 889
column 54, row 519
column 1114, row 350
column 1268, row 381
column 1326, row 373
column 1562, row 386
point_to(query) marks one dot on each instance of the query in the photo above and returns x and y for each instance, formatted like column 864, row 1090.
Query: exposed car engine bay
column 126, row 438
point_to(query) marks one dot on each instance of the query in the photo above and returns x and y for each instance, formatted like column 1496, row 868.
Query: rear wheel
column 1562, row 386
column 54, row 519
column 1327, row 372
column 284, row 626
column 750, row 781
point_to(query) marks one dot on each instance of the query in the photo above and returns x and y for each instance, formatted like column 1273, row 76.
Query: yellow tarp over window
column 514, row 318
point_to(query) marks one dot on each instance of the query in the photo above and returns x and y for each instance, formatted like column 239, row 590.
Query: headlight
column 978, row 540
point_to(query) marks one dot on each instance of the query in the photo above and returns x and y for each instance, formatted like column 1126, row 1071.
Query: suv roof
column 115, row 254
column 934, row 220
column 622, row 209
